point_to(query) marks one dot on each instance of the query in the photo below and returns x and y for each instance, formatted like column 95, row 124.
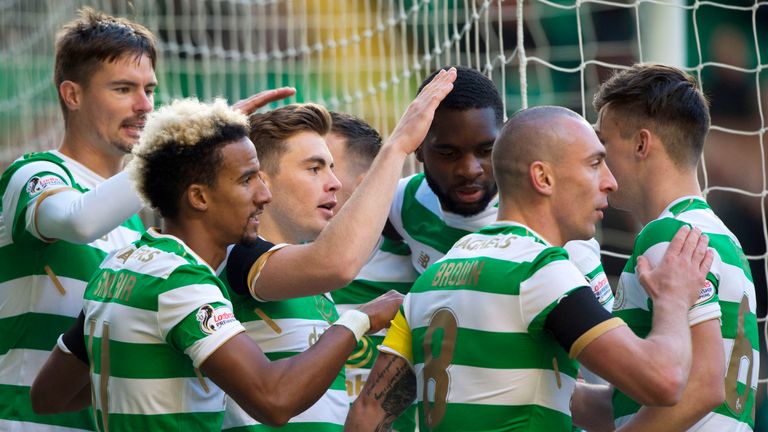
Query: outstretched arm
column 76, row 217
column 342, row 248
column 273, row 392
column 250, row 104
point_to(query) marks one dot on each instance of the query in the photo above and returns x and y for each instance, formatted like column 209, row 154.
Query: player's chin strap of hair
column 84, row 217
column 356, row 321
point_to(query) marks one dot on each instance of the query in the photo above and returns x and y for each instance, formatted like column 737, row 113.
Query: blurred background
column 367, row 57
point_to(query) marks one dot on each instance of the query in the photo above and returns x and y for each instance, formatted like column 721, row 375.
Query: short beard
column 448, row 204
column 123, row 147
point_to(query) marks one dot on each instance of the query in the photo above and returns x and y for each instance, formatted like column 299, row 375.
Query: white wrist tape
column 356, row 321
column 62, row 346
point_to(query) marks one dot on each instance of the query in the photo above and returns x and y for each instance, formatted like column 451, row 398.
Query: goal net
column 367, row 57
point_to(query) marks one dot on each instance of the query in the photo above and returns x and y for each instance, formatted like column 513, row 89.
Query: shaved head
column 530, row 135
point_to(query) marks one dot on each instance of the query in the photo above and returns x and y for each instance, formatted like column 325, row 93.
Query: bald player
column 504, row 317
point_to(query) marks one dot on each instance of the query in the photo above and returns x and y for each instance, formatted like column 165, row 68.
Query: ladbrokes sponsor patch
column 211, row 319
column 36, row 184
column 706, row 293
column 601, row 288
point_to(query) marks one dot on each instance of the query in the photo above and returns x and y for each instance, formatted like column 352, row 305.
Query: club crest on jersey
column 706, row 293
column 38, row 184
column 211, row 319
column 619, row 302
column 423, row 259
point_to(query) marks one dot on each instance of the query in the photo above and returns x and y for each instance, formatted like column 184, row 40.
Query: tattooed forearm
column 386, row 424
column 389, row 390
column 400, row 392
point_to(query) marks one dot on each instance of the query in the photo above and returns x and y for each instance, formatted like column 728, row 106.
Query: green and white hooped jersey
column 430, row 232
column 153, row 313
column 481, row 353
column 42, row 283
column 729, row 291
column 284, row 329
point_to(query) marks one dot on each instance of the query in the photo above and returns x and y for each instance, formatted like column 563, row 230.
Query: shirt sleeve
column 399, row 339
column 195, row 317
column 244, row 264
column 550, row 277
column 28, row 186
column 653, row 242
column 585, row 255
column 82, row 217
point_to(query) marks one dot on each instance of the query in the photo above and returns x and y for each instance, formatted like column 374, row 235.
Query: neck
column 274, row 232
column 193, row 233
column 77, row 146
column 534, row 215
column 661, row 187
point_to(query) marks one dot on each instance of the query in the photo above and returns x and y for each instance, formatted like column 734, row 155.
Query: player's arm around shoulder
column 654, row 370
column 391, row 385
column 303, row 270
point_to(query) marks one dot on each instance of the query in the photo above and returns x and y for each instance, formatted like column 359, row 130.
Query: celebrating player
column 64, row 210
column 158, row 330
column 653, row 121
column 503, row 317
column 297, row 169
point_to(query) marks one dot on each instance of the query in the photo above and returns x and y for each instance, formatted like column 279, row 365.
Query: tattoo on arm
column 397, row 394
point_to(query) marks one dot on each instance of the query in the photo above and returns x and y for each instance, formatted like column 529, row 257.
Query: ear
column 197, row 197
column 71, row 93
column 542, row 177
column 643, row 144
column 419, row 153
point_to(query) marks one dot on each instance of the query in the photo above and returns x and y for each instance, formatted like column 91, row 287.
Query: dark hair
column 270, row 130
column 180, row 146
column 471, row 90
column 84, row 43
column 664, row 99
column 363, row 141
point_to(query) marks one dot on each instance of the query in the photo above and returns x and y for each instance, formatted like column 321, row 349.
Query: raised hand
column 683, row 269
column 415, row 122
column 382, row 309
column 249, row 105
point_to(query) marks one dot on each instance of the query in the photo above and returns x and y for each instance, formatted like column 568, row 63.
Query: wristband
column 357, row 322
column 62, row 346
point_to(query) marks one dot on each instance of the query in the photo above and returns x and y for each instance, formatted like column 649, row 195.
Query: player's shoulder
column 661, row 230
column 35, row 172
column 412, row 181
column 164, row 257
column 513, row 242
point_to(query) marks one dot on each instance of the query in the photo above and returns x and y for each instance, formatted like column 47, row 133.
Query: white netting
column 367, row 58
